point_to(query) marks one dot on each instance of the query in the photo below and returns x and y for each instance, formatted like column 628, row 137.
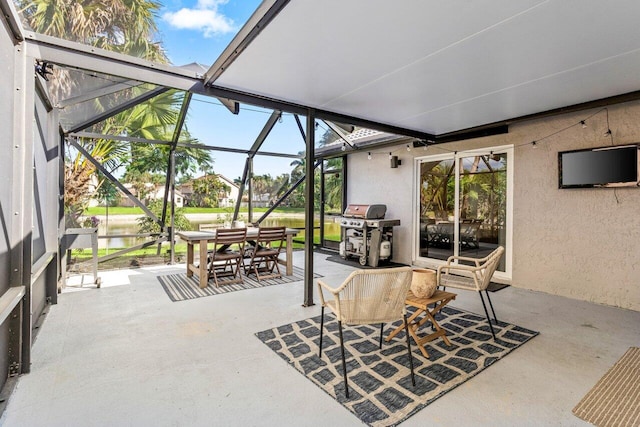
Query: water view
column 127, row 225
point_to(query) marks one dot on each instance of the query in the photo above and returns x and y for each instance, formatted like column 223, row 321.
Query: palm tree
column 125, row 26
column 299, row 167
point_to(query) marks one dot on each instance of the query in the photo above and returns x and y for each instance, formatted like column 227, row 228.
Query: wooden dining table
column 203, row 238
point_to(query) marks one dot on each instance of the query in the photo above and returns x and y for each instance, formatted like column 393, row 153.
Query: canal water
column 119, row 225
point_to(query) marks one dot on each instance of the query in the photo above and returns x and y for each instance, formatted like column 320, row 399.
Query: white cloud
column 204, row 17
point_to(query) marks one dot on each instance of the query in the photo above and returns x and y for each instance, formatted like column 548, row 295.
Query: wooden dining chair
column 263, row 261
column 227, row 256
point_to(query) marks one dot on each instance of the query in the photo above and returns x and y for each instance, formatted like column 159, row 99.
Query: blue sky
column 198, row 31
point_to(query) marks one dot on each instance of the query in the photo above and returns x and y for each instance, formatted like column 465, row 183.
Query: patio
column 126, row 354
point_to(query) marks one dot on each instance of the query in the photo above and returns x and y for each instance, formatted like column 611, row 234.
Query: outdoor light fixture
column 424, row 143
column 533, row 144
column 395, row 162
column 369, row 156
column 344, row 147
column 608, row 132
column 390, row 156
column 584, row 125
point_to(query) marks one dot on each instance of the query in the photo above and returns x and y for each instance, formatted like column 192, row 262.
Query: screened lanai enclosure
column 83, row 112
column 436, row 121
column 112, row 124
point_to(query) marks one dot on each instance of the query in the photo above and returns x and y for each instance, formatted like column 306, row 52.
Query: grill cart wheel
column 363, row 260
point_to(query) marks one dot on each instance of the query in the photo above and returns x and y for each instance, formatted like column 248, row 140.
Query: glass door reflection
column 482, row 204
column 437, row 208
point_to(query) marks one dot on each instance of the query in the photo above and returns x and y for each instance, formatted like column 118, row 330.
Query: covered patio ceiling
column 435, row 67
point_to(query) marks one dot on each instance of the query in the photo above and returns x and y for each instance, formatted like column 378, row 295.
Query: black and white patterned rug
column 179, row 287
column 380, row 387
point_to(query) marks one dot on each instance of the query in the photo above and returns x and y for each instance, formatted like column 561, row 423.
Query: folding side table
column 439, row 299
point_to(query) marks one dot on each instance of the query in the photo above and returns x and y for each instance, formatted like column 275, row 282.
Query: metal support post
column 287, row 193
column 322, row 202
column 172, row 164
column 241, row 190
column 344, row 184
column 308, row 210
column 170, row 182
column 248, row 167
column 19, row 236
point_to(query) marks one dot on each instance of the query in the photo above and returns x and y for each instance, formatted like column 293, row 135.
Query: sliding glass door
column 464, row 205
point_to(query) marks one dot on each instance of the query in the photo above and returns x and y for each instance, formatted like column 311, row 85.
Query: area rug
column 179, row 287
column 380, row 387
column 615, row 399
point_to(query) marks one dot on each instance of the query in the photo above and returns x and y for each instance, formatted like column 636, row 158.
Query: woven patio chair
column 265, row 253
column 227, row 255
column 368, row 297
column 474, row 277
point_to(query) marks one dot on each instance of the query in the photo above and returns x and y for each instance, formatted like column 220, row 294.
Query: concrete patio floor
column 125, row 355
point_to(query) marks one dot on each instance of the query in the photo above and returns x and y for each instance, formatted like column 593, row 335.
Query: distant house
column 225, row 199
column 261, row 200
column 232, row 195
column 156, row 193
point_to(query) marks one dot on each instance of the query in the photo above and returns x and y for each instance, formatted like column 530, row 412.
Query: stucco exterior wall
column 373, row 181
column 578, row 243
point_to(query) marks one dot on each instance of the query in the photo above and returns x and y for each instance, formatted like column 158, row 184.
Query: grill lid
column 365, row 211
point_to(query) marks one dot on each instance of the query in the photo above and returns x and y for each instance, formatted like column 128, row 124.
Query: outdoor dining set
column 238, row 252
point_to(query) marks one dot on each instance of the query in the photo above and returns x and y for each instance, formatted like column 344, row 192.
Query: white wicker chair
column 368, row 297
column 472, row 277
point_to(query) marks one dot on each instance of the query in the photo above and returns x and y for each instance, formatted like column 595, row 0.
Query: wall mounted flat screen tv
column 605, row 167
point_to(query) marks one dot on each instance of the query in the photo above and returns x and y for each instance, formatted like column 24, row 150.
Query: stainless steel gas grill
column 366, row 234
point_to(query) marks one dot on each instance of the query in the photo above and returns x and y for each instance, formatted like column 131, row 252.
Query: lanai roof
column 436, row 67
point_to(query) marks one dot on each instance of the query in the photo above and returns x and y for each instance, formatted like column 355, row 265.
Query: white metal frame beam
column 107, row 90
column 80, row 56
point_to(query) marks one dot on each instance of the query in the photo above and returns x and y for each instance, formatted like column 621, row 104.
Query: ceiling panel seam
column 434, row 53
column 522, row 84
